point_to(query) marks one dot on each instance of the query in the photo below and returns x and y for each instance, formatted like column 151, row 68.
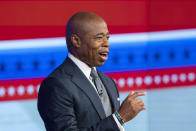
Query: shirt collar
column 81, row 65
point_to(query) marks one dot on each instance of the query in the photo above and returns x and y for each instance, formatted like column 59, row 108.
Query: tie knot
column 93, row 73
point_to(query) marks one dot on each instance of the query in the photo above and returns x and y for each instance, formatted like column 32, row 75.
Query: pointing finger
column 136, row 94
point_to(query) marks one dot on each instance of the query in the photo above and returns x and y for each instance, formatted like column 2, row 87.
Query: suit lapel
column 111, row 92
column 83, row 83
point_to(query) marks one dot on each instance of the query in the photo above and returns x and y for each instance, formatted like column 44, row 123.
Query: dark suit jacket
column 68, row 101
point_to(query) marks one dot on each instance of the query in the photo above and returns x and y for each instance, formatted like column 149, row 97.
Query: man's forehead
column 97, row 29
column 94, row 26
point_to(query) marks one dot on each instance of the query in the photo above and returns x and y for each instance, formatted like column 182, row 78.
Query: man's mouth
column 103, row 55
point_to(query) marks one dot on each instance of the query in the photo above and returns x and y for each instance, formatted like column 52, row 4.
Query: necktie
column 102, row 92
column 97, row 81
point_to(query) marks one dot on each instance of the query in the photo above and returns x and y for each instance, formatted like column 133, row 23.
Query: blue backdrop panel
column 123, row 56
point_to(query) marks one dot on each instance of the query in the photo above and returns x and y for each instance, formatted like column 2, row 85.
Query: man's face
column 94, row 47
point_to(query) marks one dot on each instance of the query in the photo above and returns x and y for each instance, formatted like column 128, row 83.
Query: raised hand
column 131, row 106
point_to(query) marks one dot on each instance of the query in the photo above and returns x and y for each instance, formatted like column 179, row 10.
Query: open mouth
column 103, row 55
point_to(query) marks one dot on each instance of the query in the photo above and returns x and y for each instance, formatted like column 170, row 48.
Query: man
column 77, row 96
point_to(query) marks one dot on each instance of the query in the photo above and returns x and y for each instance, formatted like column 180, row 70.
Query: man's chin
column 96, row 63
column 100, row 64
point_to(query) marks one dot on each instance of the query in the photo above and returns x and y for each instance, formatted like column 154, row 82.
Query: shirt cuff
column 118, row 123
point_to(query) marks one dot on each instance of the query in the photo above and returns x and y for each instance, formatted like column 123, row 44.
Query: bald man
column 77, row 96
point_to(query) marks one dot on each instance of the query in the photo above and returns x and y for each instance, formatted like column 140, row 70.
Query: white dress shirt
column 87, row 70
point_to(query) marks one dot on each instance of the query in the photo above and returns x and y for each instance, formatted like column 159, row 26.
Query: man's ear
column 75, row 40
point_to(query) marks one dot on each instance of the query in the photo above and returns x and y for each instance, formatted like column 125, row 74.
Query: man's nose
column 106, row 42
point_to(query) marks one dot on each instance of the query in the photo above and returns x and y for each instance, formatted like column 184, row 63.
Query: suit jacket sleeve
column 56, row 105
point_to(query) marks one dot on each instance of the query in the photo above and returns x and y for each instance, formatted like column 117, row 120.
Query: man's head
column 87, row 38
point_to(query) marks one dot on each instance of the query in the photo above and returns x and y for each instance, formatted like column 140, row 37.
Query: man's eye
column 98, row 38
column 108, row 37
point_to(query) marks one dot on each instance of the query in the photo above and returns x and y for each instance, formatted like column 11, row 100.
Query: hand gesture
column 131, row 106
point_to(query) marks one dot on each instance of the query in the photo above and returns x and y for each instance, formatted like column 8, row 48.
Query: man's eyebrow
column 101, row 34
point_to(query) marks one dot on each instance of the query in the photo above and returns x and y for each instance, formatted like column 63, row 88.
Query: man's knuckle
column 139, row 100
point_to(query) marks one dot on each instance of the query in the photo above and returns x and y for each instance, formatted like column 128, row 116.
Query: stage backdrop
column 152, row 48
